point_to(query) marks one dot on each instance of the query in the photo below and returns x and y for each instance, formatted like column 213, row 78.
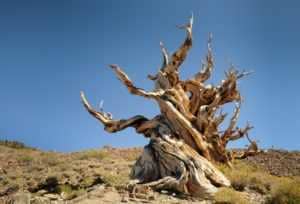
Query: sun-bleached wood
column 185, row 138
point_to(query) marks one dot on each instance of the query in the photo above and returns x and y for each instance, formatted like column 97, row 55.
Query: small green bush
column 64, row 188
column 68, row 193
column 115, row 179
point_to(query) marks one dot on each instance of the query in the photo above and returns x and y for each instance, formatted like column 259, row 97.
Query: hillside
column 99, row 176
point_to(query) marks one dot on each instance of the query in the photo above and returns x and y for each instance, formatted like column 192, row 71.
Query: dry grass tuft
column 230, row 196
column 93, row 154
column 278, row 190
column 285, row 191
column 243, row 176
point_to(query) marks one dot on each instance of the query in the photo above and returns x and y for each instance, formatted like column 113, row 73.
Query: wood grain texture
column 185, row 138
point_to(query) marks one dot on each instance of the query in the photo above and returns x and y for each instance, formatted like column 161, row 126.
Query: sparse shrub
column 97, row 154
column 279, row 190
column 131, row 155
column 50, row 160
column 66, row 191
column 15, row 144
column 243, row 175
column 90, row 181
column 12, row 144
column 111, row 178
column 285, row 191
column 64, row 188
column 25, row 159
column 230, row 196
column 260, row 182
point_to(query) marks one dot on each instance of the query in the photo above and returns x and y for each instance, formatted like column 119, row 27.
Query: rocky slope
column 100, row 176
column 278, row 162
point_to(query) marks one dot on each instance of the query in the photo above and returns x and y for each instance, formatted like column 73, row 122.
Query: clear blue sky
column 50, row 50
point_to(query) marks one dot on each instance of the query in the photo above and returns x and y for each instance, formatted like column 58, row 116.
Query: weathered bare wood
column 185, row 138
column 179, row 56
column 207, row 66
column 228, row 132
column 250, row 151
column 113, row 125
column 177, row 167
column 165, row 55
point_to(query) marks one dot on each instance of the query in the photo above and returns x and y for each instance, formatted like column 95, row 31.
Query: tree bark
column 185, row 139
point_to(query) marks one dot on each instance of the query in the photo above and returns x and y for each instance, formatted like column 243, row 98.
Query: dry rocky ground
column 29, row 175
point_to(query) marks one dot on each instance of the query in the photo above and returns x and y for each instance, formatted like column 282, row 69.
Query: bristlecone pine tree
column 185, row 138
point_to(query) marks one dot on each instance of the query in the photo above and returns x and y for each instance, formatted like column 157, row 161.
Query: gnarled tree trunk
column 185, row 139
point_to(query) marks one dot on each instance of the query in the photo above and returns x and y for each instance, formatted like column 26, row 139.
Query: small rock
column 151, row 197
column 40, row 200
column 64, row 195
column 42, row 192
column 52, row 196
column 124, row 199
column 21, row 198
column 3, row 171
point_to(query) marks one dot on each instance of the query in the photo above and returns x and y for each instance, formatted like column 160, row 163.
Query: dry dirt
column 97, row 176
